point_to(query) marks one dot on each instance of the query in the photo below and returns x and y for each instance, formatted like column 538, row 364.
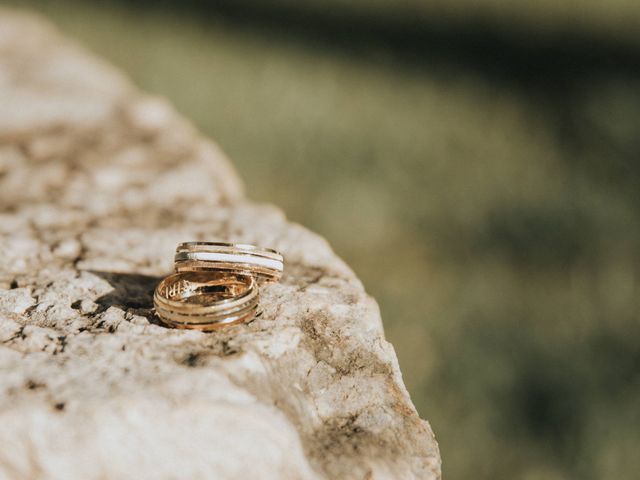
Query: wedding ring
column 206, row 300
column 264, row 264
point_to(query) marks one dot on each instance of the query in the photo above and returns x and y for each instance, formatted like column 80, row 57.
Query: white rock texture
column 98, row 183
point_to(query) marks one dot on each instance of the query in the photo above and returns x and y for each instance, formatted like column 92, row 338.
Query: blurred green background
column 476, row 162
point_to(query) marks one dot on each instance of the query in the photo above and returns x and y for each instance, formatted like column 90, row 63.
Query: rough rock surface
column 98, row 183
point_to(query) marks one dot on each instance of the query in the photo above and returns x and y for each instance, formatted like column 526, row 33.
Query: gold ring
column 265, row 264
column 206, row 300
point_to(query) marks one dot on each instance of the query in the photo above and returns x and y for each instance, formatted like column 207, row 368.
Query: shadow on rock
column 132, row 292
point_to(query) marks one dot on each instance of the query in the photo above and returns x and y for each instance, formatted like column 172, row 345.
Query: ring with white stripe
column 206, row 300
column 265, row 264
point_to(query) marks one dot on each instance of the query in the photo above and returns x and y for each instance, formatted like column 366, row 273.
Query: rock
column 98, row 183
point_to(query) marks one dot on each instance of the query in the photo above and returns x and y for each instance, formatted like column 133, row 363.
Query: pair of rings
column 215, row 284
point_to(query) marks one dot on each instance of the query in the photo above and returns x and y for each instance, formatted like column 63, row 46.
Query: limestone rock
column 98, row 183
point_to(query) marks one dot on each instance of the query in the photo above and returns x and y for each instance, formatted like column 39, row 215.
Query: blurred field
column 487, row 194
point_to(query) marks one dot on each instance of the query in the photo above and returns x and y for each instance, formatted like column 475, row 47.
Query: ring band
column 263, row 263
column 206, row 300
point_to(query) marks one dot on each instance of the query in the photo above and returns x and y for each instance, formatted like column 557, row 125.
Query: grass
column 495, row 220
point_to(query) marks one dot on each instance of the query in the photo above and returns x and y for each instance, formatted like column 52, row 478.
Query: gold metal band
column 206, row 300
column 265, row 264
